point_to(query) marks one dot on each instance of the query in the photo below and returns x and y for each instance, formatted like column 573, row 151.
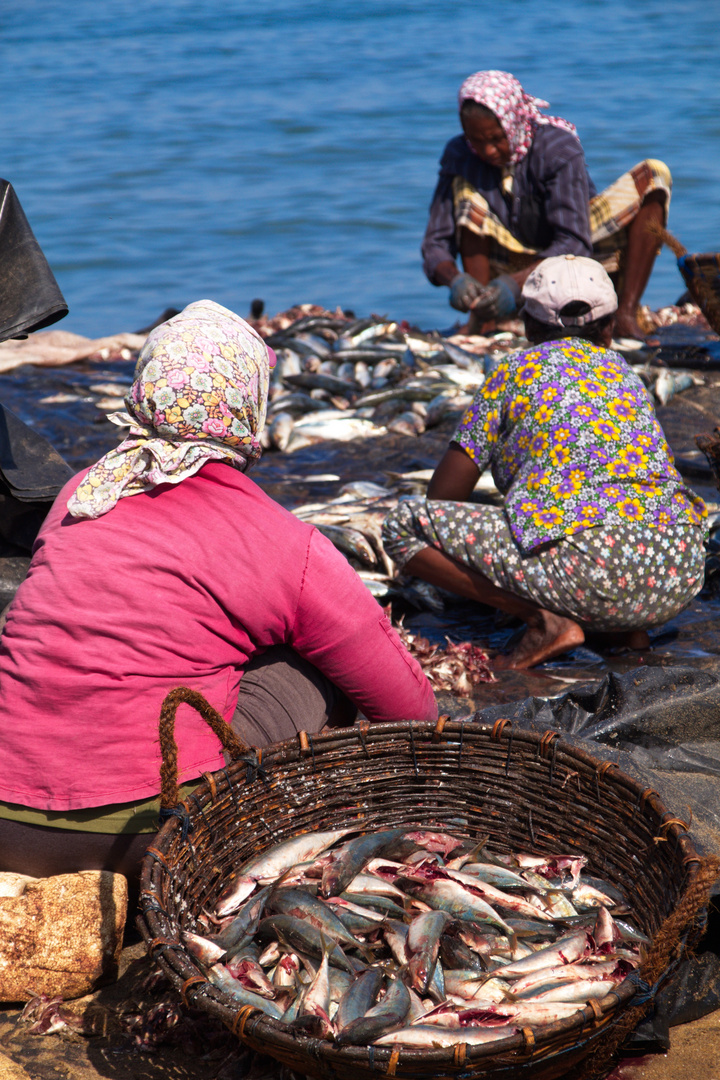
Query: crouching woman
column 597, row 533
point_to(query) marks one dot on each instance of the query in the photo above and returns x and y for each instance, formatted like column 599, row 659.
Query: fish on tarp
column 351, row 339
column 461, row 377
column 407, row 423
column 308, row 344
column 414, row 391
column 442, row 404
column 335, row 429
column 297, row 404
column 670, row 383
column 314, row 380
column 462, row 358
column 280, row 430
column 350, row 542
column 288, row 363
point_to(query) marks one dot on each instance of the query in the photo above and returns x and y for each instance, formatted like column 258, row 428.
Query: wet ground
column 60, row 404
column 127, row 1040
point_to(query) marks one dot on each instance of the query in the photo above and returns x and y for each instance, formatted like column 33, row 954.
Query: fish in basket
column 542, row 840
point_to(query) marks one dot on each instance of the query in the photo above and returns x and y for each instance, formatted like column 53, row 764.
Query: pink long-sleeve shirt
column 179, row 586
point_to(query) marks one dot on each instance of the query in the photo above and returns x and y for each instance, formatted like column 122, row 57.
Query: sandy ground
column 134, row 1027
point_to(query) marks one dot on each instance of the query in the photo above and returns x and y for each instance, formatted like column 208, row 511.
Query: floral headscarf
column 517, row 112
column 199, row 394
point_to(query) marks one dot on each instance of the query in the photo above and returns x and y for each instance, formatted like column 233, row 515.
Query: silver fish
column 206, row 951
column 427, row 1036
column 468, row 985
column 494, row 895
column 359, row 997
column 387, row 1015
column 566, row 951
column 670, row 383
column 316, row 999
column 280, row 430
column 423, row 945
column 407, row 423
column 265, row 868
column 220, row 976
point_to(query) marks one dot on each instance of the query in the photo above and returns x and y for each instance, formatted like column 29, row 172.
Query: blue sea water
column 287, row 149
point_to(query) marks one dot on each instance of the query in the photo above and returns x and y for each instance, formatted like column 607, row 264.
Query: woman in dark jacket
column 514, row 189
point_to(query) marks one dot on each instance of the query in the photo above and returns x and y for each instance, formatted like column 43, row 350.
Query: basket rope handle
column 678, row 249
column 169, row 793
column 668, row 937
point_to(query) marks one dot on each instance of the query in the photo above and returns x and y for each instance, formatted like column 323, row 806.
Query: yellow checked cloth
column 610, row 214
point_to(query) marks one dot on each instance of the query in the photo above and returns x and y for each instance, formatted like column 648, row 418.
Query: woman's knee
column 401, row 532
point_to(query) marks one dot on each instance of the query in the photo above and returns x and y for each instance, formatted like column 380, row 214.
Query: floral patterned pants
column 624, row 578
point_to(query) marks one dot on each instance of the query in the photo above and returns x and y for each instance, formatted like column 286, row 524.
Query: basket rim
column 550, row 744
column 251, row 1026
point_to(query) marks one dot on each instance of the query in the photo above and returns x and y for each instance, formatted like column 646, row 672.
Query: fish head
column 232, row 895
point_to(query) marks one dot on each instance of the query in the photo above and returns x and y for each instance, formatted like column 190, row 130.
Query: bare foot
column 627, row 326
column 551, row 636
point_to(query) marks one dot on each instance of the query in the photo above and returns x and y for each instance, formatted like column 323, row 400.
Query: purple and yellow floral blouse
column 572, row 439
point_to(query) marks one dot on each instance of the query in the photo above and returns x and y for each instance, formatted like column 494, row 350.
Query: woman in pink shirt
column 165, row 565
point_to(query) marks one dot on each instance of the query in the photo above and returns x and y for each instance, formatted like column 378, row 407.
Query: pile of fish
column 344, row 379
column 413, row 937
column 353, row 522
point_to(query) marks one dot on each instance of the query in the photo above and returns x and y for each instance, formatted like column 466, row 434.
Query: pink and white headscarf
column 518, row 113
column 199, row 394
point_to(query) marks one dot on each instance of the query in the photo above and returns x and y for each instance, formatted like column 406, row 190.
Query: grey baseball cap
column 568, row 279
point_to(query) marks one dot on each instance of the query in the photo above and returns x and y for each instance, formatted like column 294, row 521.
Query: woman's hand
column 455, row 477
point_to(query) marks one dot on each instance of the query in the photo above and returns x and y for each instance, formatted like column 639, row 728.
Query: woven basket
column 528, row 792
column 701, row 274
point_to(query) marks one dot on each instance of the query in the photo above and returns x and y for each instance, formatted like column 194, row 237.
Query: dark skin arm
column 455, row 477
column 453, row 481
column 446, row 272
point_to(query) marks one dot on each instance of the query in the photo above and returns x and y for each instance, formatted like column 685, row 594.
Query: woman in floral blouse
column 597, row 531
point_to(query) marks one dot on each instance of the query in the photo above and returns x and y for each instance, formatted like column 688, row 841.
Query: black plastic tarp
column 30, row 297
